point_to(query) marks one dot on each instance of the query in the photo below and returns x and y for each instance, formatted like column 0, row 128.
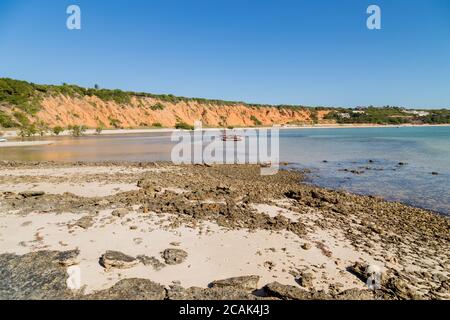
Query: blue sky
column 280, row 52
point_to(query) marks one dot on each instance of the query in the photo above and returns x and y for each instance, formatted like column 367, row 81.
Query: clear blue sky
column 311, row 52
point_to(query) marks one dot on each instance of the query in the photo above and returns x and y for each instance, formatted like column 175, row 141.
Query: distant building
column 418, row 113
column 344, row 115
column 359, row 111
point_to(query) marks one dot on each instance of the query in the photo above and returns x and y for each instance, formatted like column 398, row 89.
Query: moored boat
column 234, row 137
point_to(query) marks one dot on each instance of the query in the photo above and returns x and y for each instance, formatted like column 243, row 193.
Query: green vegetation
column 57, row 130
column 184, row 126
column 158, row 106
column 437, row 116
column 20, row 101
column 41, row 127
column 157, row 125
column 6, row 121
column 115, row 123
column 22, row 118
column 384, row 115
column 20, row 94
column 99, row 130
column 389, row 115
column 314, row 115
column 77, row 130
column 27, row 130
column 255, row 121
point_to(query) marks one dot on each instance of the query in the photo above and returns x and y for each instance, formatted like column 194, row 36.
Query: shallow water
column 373, row 154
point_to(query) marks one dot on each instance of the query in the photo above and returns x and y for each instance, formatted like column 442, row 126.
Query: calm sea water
column 373, row 154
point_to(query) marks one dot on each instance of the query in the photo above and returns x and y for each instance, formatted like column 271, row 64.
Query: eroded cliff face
column 141, row 112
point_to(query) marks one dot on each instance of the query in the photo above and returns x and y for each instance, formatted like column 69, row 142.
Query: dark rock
column 116, row 259
column 85, row 222
column 68, row 258
column 293, row 195
column 399, row 289
column 244, row 283
column 194, row 293
column 174, row 256
column 31, row 194
column 359, row 270
column 35, row 276
column 122, row 212
column 148, row 185
column 305, row 279
column 131, row 289
column 355, row 294
column 151, row 261
column 286, row 292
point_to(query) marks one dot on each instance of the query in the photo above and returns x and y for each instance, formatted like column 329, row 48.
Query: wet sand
column 10, row 144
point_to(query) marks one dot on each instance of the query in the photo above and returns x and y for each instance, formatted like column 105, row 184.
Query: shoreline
column 12, row 144
column 91, row 132
column 280, row 234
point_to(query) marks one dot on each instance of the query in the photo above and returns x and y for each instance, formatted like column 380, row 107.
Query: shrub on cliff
column 158, row 106
column 115, row 123
column 255, row 121
column 184, row 126
column 6, row 121
column 20, row 94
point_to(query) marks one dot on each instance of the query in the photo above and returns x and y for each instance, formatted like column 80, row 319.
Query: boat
column 234, row 137
column 3, row 139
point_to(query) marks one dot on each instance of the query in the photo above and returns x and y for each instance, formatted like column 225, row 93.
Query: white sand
column 24, row 143
column 213, row 253
column 95, row 187
column 76, row 171
column 85, row 189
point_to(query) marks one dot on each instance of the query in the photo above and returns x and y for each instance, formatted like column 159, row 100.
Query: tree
column 96, row 87
column 27, row 130
column 41, row 127
column 99, row 130
column 184, row 126
column 57, row 130
column 77, row 130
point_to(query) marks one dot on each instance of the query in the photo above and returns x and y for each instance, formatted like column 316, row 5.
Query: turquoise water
column 373, row 154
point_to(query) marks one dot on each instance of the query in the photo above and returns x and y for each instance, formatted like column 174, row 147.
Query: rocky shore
column 160, row 231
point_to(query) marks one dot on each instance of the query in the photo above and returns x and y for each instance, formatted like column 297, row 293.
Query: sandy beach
column 180, row 229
